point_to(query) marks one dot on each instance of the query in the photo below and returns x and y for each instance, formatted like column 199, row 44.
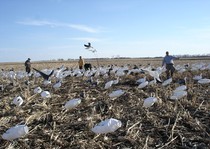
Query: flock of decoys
column 98, row 76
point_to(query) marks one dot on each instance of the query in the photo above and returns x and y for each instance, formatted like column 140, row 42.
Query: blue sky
column 54, row 29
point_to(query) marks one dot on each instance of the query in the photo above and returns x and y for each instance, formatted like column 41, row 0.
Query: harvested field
column 183, row 123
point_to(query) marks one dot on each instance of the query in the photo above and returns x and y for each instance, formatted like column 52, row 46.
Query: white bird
column 37, row 90
column 108, row 84
column 116, row 93
column 46, row 94
column 18, row 101
column 109, row 125
column 15, row 132
column 72, row 103
column 143, row 84
column 148, row 102
column 204, row 81
column 166, row 82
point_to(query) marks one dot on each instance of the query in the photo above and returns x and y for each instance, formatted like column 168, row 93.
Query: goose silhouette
column 45, row 76
column 87, row 45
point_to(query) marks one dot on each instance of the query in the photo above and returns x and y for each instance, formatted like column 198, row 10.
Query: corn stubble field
column 183, row 123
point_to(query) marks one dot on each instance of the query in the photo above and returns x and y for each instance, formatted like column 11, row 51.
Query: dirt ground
column 168, row 124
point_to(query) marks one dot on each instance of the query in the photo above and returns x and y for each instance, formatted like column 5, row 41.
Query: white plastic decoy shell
column 116, row 93
column 204, row 81
column 178, row 95
column 18, row 101
column 37, row 90
column 108, row 84
column 109, row 125
column 180, row 88
column 166, row 82
column 72, row 103
column 143, row 84
column 15, row 132
column 148, row 102
column 45, row 94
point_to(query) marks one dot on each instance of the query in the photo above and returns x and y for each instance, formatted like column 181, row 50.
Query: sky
column 58, row 29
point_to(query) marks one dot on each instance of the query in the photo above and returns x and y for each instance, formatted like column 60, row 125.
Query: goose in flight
column 88, row 46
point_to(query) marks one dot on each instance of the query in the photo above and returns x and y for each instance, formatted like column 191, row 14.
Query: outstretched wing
column 45, row 76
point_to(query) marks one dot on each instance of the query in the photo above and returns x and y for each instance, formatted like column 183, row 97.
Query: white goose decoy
column 148, row 102
column 204, row 81
column 18, row 101
column 180, row 88
column 109, row 125
column 116, row 81
column 116, row 93
column 37, row 90
column 46, row 82
column 153, row 82
column 108, row 84
column 72, row 103
column 166, row 82
column 139, row 81
column 57, row 85
column 178, row 95
column 197, row 77
column 143, row 84
column 15, row 132
column 46, row 94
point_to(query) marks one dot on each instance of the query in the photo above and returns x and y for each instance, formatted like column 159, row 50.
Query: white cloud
column 58, row 24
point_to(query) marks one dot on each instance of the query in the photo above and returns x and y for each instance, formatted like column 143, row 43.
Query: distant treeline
column 200, row 56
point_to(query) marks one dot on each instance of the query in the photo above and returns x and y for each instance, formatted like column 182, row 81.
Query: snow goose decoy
column 197, row 77
column 72, row 103
column 148, row 102
column 204, row 81
column 37, row 90
column 166, row 82
column 109, row 125
column 178, row 95
column 108, row 84
column 116, row 93
column 46, row 94
column 143, row 84
column 15, row 132
column 18, row 101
